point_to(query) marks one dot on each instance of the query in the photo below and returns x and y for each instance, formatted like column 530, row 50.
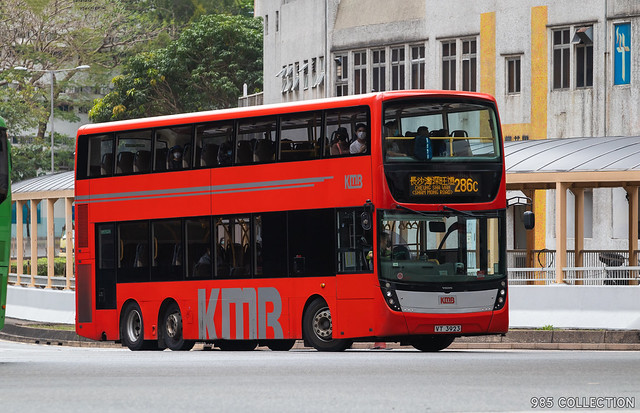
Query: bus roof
column 271, row 109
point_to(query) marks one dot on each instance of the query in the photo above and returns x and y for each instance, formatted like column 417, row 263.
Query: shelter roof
column 57, row 185
column 584, row 162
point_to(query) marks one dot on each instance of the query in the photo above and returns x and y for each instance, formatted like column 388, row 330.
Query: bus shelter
column 576, row 164
column 30, row 197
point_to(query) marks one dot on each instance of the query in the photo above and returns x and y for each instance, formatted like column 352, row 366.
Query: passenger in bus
column 422, row 149
column 203, row 266
column 385, row 245
column 360, row 144
column 391, row 131
column 225, row 153
column 175, row 158
column 340, row 142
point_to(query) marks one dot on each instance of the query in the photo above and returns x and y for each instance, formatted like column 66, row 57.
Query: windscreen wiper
column 444, row 208
column 412, row 210
column 457, row 211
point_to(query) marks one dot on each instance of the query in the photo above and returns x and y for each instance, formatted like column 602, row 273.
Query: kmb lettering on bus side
column 353, row 181
column 233, row 302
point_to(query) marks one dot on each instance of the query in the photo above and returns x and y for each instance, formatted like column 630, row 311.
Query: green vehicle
column 5, row 216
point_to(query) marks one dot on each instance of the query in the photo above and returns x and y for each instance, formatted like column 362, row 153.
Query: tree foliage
column 203, row 69
column 50, row 35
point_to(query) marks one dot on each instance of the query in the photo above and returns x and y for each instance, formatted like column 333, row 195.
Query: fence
column 41, row 281
column 599, row 267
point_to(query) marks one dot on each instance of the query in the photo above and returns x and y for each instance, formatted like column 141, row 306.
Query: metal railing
column 599, row 267
column 41, row 281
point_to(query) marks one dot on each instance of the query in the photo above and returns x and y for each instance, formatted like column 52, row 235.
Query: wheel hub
column 173, row 323
column 134, row 322
column 322, row 326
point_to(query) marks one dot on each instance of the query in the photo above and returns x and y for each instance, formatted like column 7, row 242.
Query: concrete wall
column 586, row 307
column 36, row 304
column 563, row 306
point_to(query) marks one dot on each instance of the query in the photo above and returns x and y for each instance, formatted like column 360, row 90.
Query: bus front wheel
column 317, row 328
column 172, row 329
column 432, row 343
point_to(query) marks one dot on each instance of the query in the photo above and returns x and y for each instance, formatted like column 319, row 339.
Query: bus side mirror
column 366, row 217
column 365, row 221
column 529, row 220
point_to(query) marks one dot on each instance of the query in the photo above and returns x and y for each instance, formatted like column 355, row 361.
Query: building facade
column 558, row 69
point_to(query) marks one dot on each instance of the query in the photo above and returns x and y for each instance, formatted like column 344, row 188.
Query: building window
column 318, row 78
column 305, row 74
column 277, row 21
column 449, row 65
column 287, row 79
column 561, row 60
column 469, row 65
column 342, row 75
column 417, row 67
column 378, row 70
column 584, row 56
column 266, row 24
column 360, row 72
column 296, row 77
column 513, row 74
column 397, row 68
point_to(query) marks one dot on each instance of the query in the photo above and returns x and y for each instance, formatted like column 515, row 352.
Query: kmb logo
column 448, row 299
column 352, row 181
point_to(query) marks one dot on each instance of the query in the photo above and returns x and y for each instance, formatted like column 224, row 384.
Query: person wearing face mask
column 360, row 144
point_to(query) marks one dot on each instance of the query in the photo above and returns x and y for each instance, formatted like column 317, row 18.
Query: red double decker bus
column 377, row 217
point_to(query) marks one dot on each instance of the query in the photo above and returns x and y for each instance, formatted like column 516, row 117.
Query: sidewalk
column 619, row 340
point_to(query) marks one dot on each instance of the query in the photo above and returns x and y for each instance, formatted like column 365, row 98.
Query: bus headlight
column 390, row 296
column 501, row 296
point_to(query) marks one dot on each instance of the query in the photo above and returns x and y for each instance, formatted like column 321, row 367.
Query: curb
column 598, row 340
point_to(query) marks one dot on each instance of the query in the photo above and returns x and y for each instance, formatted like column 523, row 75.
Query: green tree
column 203, row 69
column 45, row 35
column 30, row 159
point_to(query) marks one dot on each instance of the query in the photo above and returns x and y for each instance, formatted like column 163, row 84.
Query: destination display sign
column 444, row 185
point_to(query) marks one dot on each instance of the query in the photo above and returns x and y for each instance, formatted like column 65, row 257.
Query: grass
column 59, row 327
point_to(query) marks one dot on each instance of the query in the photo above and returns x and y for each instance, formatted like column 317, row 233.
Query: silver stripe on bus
column 205, row 190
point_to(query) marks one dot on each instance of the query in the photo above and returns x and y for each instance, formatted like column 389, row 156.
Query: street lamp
column 53, row 72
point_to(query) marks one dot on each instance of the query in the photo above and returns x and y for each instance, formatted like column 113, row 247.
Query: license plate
column 448, row 329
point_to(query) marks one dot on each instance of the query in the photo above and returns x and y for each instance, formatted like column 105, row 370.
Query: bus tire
column 172, row 329
column 432, row 343
column 317, row 328
column 237, row 345
column 280, row 345
column 132, row 327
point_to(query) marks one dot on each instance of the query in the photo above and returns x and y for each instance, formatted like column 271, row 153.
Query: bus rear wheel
column 132, row 327
column 172, row 329
column 317, row 328
column 432, row 343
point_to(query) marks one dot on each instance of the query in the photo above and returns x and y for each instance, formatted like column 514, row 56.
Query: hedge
column 59, row 266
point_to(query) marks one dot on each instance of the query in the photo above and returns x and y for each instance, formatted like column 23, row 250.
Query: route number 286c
column 466, row 185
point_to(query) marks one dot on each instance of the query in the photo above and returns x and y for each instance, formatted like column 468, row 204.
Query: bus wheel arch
column 317, row 327
column 170, row 331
